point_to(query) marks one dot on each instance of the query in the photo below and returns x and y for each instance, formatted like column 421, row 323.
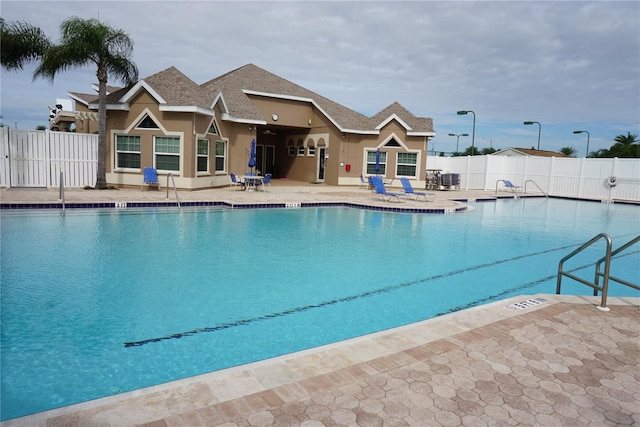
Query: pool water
column 96, row 303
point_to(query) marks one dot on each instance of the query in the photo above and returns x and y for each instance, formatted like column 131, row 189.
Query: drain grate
column 526, row 304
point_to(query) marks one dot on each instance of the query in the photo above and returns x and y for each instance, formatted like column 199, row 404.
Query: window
column 292, row 151
column 311, row 151
column 371, row 163
column 147, row 123
column 406, row 164
column 392, row 143
column 202, row 156
column 221, row 156
column 300, row 150
column 127, row 152
column 167, row 153
column 213, row 128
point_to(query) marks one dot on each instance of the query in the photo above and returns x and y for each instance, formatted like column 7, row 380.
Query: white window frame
column 117, row 152
column 156, row 153
column 223, row 156
column 414, row 165
column 201, row 156
column 311, row 151
column 383, row 162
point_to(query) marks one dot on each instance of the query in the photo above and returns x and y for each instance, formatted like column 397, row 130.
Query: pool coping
column 149, row 404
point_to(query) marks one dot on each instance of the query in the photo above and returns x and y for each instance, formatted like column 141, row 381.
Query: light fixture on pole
column 473, row 133
column 458, row 135
column 539, row 130
column 588, row 136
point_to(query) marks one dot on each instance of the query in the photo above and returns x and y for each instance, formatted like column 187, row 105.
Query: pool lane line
column 243, row 322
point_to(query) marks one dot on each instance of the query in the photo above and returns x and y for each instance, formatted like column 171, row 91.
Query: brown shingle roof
column 418, row 124
column 539, row 153
column 176, row 89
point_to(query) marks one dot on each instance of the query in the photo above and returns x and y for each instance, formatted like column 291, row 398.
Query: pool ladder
column 537, row 186
column 175, row 190
column 599, row 273
column 61, row 194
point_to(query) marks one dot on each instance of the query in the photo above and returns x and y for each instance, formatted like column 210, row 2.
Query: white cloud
column 509, row 61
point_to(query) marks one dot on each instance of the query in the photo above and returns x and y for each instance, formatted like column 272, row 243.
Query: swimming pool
column 96, row 303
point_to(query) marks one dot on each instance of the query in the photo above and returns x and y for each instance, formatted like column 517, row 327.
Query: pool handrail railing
column 605, row 275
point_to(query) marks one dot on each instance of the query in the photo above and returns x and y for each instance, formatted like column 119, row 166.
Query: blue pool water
column 96, row 303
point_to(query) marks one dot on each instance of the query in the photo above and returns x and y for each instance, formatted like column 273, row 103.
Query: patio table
column 250, row 181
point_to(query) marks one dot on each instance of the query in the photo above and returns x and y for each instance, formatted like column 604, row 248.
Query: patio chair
column 363, row 182
column 510, row 185
column 150, row 177
column 235, row 182
column 383, row 193
column 264, row 182
column 409, row 191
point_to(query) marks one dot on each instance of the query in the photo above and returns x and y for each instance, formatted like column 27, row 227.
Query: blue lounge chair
column 409, row 191
column 510, row 185
column 382, row 192
column 150, row 177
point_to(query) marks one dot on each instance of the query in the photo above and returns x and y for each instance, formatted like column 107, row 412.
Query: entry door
column 321, row 161
column 265, row 158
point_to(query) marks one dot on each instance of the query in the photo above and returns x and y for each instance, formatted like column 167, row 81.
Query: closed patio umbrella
column 377, row 161
column 252, row 154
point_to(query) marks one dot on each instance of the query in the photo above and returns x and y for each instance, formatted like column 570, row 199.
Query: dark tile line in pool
column 374, row 292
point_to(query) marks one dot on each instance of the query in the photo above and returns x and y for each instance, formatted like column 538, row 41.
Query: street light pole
column 588, row 137
column 473, row 133
column 539, row 130
column 458, row 135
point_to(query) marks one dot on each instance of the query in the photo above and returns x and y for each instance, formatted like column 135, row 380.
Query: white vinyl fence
column 583, row 178
column 36, row 158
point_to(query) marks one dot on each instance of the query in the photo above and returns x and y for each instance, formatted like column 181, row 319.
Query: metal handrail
column 534, row 183
column 175, row 190
column 61, row 194
column 605, row 275
column 614, row 278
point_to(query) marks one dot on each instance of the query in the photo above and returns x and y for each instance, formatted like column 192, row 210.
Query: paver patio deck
column 529, row 360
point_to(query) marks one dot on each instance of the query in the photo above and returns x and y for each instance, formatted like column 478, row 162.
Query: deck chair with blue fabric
column 510, row 185
column 235, row 182
column 150, row 177
column 382, row 192
column 410, row 192
column 262, row 184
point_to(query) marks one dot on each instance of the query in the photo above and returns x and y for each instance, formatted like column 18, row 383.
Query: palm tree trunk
column 101, row 175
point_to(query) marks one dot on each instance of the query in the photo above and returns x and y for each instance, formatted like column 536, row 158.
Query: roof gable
column 395, row 111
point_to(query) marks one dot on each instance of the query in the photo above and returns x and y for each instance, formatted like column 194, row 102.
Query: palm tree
column 21, row 42
column 92, row 42
column 627, row 139
column 568, row 151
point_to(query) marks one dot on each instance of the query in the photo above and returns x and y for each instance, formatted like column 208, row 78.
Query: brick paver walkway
column 562, row 365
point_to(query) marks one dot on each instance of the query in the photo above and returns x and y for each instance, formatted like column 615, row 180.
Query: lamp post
column 458, row 135
column 588, row 136
column 473, row 133
column 539, row 130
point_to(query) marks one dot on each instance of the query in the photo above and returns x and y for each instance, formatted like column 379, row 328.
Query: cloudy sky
column 569, row 65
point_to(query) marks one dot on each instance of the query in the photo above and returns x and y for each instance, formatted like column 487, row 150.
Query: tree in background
column 21, row 43
column 568, row 151
column 88, row 41
column 625, row 146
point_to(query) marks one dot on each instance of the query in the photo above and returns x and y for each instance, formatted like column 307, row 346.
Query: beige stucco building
column 202, row 132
